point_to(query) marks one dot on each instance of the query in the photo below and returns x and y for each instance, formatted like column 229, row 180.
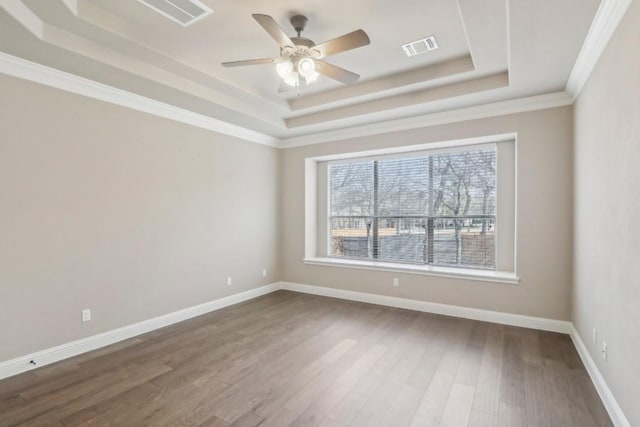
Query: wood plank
column 319, row 375
column 512, row 375
column 316, row 412
column 188, row 405
column 423, row 372
column 510, row 415
column 279, row 417
column 364, row 388
column 487, row 396
column 327, row 422
column 458, row 407
column 109, row 410
column 482, row 419
column 469, row 367
column 404, row 406
column 85, row 394
column 538, row 405
column 434, row 400
column 249, row 419
column 303, row 397
column 414, row 344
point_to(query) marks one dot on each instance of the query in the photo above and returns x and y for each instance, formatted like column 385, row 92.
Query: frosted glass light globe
column 285, row 70
column 312, row 77
column 306, row 67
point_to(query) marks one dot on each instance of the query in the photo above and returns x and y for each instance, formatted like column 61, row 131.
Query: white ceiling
column 490, row 50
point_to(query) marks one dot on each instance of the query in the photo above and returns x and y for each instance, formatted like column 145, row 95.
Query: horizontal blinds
column 429, row 209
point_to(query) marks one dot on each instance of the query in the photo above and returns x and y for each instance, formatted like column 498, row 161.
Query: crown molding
column 605, row 22
column 38, row 73
column 512, row 106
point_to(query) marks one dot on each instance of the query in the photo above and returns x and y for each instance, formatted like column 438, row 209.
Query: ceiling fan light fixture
column 288, row 73
column 285, row 69
column 312, row 77
column 306, row 67
column 304, row 71
column 301, row 60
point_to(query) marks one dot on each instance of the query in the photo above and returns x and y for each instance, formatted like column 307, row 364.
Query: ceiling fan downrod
column 299, row 22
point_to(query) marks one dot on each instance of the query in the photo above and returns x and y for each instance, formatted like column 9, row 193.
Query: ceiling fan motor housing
column 303, row 48
column 299, row 22
column 302, row 45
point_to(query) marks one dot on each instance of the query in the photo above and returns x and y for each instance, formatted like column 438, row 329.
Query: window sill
column 428, row 270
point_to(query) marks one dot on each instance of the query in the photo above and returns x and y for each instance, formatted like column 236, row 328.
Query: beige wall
column 606, row 292
column 122, row 212
column 544, row 206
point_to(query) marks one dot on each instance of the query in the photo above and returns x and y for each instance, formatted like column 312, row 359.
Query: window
column 431, row 208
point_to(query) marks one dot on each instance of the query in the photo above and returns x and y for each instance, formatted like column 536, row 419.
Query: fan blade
column 274, row 30
column 343, row 43
column 336, row 73
column 252, row 62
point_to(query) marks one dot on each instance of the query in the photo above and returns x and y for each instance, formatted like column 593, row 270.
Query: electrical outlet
column 604, row 350
column 264, row 272
column 396, row 282
column 595, row 335
column 86, row 315
column 228, row 281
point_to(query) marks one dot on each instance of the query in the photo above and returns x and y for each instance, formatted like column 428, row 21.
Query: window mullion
column 376, row 209
column 430, row 225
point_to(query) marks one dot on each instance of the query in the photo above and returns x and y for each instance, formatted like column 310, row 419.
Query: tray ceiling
column 489, row 51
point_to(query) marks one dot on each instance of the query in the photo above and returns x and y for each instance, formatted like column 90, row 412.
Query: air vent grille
column 184, row 12
column 420, row 46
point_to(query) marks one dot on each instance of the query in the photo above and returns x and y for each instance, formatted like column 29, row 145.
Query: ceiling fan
column 300, row 60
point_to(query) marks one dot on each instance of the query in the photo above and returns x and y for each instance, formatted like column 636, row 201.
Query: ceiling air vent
column 184, row 12
column 420, row 46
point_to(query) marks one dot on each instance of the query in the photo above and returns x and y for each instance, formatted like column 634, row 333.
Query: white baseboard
column 436, row 308
column 609, row 401
column 74, row 348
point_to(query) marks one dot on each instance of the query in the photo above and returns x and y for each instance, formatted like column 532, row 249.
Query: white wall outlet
column 595, row 335
column 86, row 314
column 604, row 350
column 264, row 272
column 396, row 282
column 228, row 281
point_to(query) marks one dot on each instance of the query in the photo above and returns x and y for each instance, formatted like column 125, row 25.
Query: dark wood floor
column 293, row 359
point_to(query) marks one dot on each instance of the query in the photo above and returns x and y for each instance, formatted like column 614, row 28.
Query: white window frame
column 317, row 245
